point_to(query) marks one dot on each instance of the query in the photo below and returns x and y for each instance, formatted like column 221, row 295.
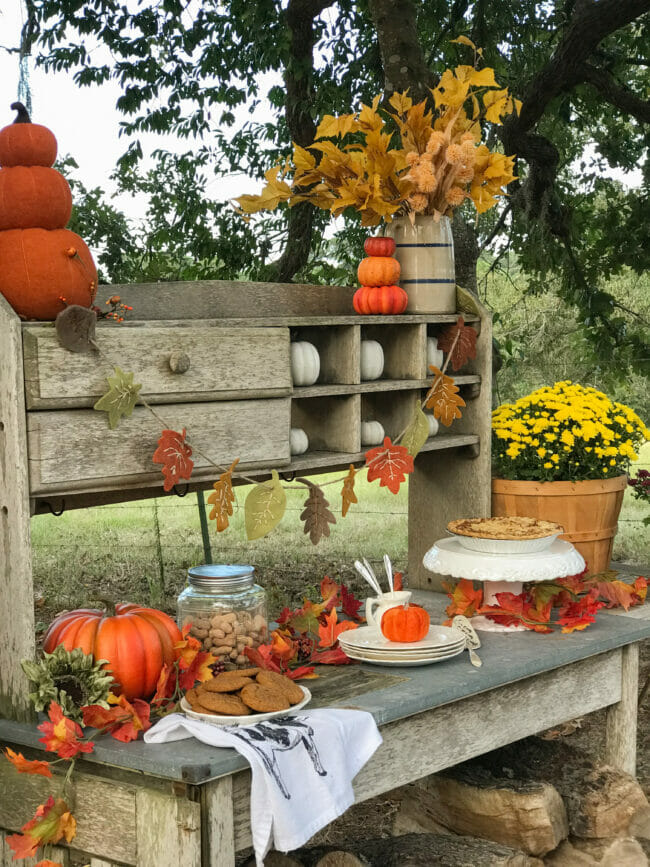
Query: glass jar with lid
column 226, row 611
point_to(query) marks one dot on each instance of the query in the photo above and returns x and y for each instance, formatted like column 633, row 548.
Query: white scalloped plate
column 251, row 719
column 438, row 638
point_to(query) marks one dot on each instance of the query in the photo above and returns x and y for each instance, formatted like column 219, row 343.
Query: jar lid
column 219, row 578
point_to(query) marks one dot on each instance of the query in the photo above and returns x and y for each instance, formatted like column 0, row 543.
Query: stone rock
column 640, row 824
column 414, row 815
column 276, row 859
column 567, row 855
column 526, row 816
column 341, row 859
column 626, row 852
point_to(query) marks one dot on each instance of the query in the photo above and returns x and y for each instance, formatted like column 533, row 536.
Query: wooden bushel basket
column 588, row 511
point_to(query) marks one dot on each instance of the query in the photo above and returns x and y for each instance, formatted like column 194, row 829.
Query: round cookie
column 264, row 699
column 227, row 681
column 222, row 703
column 192, row 697
column 248, row 672
column 284, row 684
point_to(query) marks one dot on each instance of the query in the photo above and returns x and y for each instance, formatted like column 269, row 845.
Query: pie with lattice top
column 504, row 528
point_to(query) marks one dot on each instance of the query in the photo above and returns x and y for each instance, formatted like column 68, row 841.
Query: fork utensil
column 472, row 641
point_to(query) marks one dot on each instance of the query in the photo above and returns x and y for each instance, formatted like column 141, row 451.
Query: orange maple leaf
column 462, row 348
column 223, row 498
column 62, row 734
column 390, row 464
column 443, row 397
column 174, row 454
column 347, row 494
column 25, row 766
column 52, row 821
column 330, row 630
column 329, row 590
column 124, row 721
column 48, row 863
column 464, row 598
column 282, row 646
column 193, row 663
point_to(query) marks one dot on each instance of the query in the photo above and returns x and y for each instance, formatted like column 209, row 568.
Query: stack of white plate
column 367, row 644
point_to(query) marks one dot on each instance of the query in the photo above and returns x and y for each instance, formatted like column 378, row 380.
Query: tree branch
column 615, row 94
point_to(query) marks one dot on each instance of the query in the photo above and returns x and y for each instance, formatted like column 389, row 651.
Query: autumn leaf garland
column 265, row 505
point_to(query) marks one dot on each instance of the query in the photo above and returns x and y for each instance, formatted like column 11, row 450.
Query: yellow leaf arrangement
column 401, row 158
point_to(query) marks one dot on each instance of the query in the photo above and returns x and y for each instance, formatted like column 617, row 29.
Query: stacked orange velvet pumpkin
column 40, row 260
column 378, row 274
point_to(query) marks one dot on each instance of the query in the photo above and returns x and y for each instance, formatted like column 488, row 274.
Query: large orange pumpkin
column 378, row 271
column 135, row 641
column 34, row 196
column 385, row 300
column 24, row 143
column 405, row 623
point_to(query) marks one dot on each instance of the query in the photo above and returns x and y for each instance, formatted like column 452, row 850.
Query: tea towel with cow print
column 302, row 767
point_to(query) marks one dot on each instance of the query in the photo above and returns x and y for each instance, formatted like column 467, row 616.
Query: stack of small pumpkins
column 378, row 274
column 41, row 262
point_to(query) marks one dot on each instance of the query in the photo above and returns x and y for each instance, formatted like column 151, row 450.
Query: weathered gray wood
column 393, row 410
column 620, row 733
column 405, row 349
column 99, row 862
column 469, row 728
column 105, row 811
column 75, row 450
column 339, row 350
column 227, row 363
column 218, row 823
column 382, row 385
column 332, row 424
column 54, row 853
column 168, row 830
column 440, row 491
column 16, row 589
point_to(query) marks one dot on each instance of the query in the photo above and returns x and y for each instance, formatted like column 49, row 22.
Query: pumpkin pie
column 504, row 528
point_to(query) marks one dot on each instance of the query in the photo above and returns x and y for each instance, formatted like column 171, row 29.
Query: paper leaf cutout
column 347, row 493
column 443, row 398
column 222, row 498
column 417, row 433
column 390, row 464
column 75, row 329
column 120, row 399
column 465, row 347
column 264, row 507
column 174, row 454
column 316, row 515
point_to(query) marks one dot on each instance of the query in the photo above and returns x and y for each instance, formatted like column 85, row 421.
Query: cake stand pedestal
column 502, row 572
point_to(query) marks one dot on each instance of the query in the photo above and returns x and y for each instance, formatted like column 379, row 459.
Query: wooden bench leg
column 218, row 823
column 168, row 830
column 620, row 736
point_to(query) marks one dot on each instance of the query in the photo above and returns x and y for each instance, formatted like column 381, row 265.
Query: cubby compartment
column 393, row 410
column 471, row 368
column 338, row 348
column 332, row 424
column 404, row 349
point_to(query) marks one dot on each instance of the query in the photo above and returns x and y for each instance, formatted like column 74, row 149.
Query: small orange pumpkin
column 384, row 300
column 26, row 144
column 135, row 641
column 379, row 246
column 34, row 197
column 378, row 271
column 405, row 623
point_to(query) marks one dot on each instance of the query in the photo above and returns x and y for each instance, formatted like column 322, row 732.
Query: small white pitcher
column 383, row 603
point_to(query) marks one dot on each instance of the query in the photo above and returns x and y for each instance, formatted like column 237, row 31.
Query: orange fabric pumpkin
column 385, row 300
column 24, row 143
column 34, row 197
column 379, row 246
column 405, row 623
column 135, row 641
column 39, row 266
column 378, row 271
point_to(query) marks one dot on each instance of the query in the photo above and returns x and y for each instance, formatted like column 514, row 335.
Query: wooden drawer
column 75, row 450
column 224, row 363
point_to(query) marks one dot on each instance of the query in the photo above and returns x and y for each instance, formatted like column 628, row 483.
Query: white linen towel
column 302, row 767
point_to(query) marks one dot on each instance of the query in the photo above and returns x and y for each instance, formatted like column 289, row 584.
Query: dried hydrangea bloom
column 412, row 157
column 426, row 182
column 467, row 136
column 436, row 141
column 455, row 196
column 465, row 175
column 418, row 202
column 454, row 154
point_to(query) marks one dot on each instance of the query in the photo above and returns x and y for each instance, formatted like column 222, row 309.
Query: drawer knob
column 179, row 362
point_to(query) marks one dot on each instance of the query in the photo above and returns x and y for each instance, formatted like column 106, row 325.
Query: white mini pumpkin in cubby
column 305, row 363
column 433, row 424
column 372, row 360
column 298, row 441
column 372, row 433
column 434, row 355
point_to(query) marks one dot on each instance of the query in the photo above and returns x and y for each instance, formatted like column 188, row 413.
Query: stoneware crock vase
column 425, row 252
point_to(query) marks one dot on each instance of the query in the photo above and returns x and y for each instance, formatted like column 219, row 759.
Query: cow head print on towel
column 278, row 736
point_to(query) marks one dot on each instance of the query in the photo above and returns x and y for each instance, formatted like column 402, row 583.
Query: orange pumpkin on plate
column 405, row 623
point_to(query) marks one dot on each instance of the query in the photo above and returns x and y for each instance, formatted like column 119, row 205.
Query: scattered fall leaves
column 27, row 766
column 62, row 735
column 52, row 821
column 174, row 454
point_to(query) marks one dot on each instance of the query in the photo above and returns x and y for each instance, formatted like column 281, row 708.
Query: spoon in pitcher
column 472, row 641
column 367, row 576
column 389, row 572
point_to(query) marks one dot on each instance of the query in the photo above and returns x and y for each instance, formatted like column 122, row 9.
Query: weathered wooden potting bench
column 187, row 804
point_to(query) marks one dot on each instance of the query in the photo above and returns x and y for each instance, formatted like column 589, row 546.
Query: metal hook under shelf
column 53, row 511
column 178, row 493
column 288, row 477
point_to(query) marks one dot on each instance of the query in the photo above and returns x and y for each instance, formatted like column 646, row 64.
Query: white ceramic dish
column 438, row 638
column 506, row 546
column 403, row 654
column 251, row 719
column 401, row 661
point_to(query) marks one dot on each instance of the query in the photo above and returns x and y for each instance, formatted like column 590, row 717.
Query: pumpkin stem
column 23, row 114
column 109, row 602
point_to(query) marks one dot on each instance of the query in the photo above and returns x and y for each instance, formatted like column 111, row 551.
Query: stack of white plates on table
column 367, row 644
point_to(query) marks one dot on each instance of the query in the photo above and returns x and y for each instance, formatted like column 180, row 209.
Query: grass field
column 141, row 551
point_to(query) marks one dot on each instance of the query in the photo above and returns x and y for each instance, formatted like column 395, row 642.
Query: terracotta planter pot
column 588, row 511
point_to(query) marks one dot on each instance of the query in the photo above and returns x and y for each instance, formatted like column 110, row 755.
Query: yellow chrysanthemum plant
column 566, row 432
column 401, row 158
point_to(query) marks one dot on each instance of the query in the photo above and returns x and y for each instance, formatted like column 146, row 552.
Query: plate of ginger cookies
column 244, row 697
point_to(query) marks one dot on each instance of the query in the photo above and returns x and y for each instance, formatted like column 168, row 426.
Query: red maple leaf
column 193, row 663
column 333, row 656
column 48, row 863
column 464, row 347
column 62, row 734
column 124, row 721
column 330, row 630
column 174, row 454
column 390, row 464
column 398, row 581
column 25, row 766
column 581, row 613
column 329, row 590
column 50, row 823
column 350, row 605
column 166, row 686
column 262, row 657
column 519, row 608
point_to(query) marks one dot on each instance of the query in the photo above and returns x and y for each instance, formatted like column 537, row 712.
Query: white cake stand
column 502, row 572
